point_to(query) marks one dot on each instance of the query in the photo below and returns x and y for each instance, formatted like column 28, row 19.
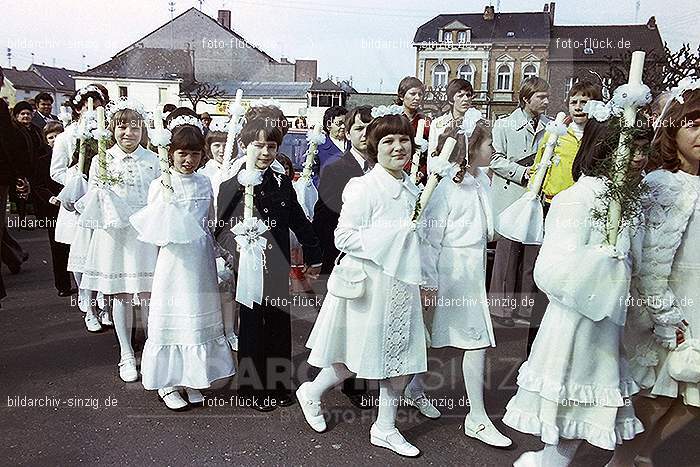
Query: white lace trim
column 396, row 329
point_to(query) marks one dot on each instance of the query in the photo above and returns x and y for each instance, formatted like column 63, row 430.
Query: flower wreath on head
column 186, row 120
column 89, row 88
column 636, row 95
column 676, row 93
column 384, row 110
column 124, row 103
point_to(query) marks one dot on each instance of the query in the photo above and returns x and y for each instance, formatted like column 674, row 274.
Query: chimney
column 552, row 6
column 225, row 18
column 489, row 13
column 651, row 24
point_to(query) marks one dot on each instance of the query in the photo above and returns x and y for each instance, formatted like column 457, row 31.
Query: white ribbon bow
column 251, row 264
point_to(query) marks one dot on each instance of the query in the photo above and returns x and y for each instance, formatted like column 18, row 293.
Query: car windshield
column 294, row 146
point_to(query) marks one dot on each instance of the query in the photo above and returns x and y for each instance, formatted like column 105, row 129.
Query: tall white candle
column 415, row 162
column 231, row 135
column 90, row 106
column 101, row 143
column 251, row 158
column 163, row 157
column 434, row 179
column 546, row 158
column 311, row 154
column 81, row 146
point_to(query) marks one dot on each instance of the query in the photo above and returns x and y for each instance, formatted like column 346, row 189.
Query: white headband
column 186, row 120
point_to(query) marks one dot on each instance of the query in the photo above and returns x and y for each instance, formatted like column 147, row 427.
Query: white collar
column 339, row 143
column 118, row 153
column 275, row 167
column 392, row 185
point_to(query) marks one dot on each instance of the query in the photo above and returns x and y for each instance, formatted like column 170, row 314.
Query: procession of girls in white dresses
column 614, row 364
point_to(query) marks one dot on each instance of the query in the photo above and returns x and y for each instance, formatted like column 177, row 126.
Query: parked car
column 294, row 146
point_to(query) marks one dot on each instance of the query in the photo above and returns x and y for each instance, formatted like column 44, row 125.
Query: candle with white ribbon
column 163, row 157
column 101, row 143
column 232, row 129
column 542, row 168
column 622, row 154
column 251, row 158
column 415, row 162
column 311, row 153
column 435, row 178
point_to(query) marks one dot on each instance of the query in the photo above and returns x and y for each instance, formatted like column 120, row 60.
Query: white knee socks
column 473, row 371
column 389, row 399
column 328, row 377
column 122, row 317
column 560, row 455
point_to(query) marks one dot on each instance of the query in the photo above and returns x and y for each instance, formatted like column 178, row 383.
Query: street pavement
column 88, row 415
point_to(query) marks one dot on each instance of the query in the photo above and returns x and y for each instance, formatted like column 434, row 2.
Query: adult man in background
column 516, row 139
column 43, row 115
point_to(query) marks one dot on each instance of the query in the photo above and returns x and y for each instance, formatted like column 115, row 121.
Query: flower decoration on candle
column 160, row 136
column 598, row 110
column 384, row 110
column 65, row 116
column 434, row 179
column 314, row 137
column 251, row 245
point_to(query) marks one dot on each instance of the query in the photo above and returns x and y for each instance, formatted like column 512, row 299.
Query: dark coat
column 15, row 149
column 327, row 154
column 43, row 186
column 275, row 203
column 39, row 120
column 333, row 179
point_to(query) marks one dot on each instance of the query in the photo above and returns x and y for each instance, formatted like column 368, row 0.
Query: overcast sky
column 365, row 39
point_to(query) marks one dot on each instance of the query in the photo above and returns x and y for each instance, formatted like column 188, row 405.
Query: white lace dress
column 381, row 334
column 667, row 283
column 459, row 222
column 574, row 384
column 116, row 261
column 186, row 345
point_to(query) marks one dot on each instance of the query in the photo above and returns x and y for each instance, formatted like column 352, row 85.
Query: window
column 568, row 86
column 123, row 91
column 448, row 36
column 439, row 76
column 588, row 51
column 503, row 78
column 440, row 35
column 529, row 71
column 162, row 95
column 466, row 72
column 462, row 37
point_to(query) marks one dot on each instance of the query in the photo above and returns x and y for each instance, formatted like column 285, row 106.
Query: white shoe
column 92, row 323
column 392, row 440
column 127, row 369
column 528, row 459
column 105, row 319
column 172, row 399
column 194, row 396
column 422, row 403
column 486, row 433
column 311, row 410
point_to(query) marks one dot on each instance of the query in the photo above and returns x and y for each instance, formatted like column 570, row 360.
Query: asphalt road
column 90, row 416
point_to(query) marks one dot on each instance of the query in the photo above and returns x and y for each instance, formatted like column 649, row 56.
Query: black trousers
column 265, row 367
column 59, row 261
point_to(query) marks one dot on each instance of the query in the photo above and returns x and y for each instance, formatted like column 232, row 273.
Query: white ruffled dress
column 116, row 261
column 380, row 334
column 575, row 384
column 458, row 224
column 667, row 280
column 186, row 345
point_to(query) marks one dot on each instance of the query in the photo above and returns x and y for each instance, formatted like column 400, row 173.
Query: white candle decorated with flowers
column 101, row 143
column 90, row 105
column 546, row 157
column 415, row 162
column 251, row 158
column 622, row 155
column 163, row 157
column 435, row 178
column 311, row 153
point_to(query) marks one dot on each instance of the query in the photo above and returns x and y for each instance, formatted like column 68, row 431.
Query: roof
column 25, row 79
column 60, row 78
column 327, row 85
column 142, row 63
column 373, row 99
column 525, row 26
column 271, row 89
column 193, row 10
column 603, row 40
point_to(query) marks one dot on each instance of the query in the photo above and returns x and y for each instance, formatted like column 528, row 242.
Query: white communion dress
column 380, row 334
column 186, row 345
column 117, row 262
column 574, row 384
column 458, row 223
